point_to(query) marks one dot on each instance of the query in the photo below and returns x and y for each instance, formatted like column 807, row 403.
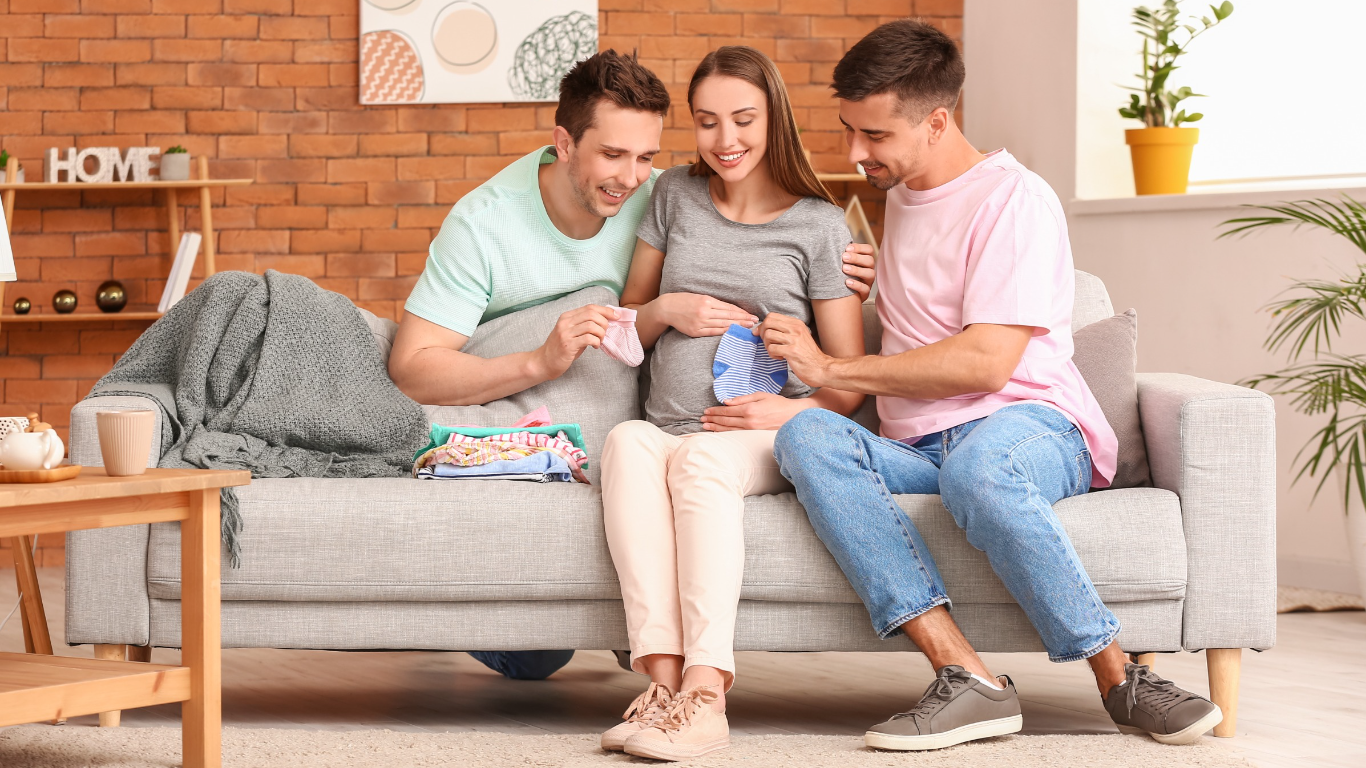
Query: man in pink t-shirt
column 979, row 400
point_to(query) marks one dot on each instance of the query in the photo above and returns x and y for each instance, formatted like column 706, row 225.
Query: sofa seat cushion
column 401, row 539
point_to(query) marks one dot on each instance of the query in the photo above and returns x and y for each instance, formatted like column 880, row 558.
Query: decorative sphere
column 111, row 297
column 22, row 306
column 64, row 302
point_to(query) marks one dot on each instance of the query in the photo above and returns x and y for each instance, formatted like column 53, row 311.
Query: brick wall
column 347, row 195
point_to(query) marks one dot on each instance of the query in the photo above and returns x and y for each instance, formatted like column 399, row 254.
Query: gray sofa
column 404, row 564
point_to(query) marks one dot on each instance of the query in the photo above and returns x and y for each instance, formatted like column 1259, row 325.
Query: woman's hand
column 696, row 315
column 760, row 410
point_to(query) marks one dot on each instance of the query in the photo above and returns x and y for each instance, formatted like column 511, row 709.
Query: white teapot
column 32, row 450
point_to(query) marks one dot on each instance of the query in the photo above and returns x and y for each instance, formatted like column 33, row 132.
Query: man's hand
column 858, row 269
column 760, row 410
column 574, row 332
column 696, row 315
column 788, row 338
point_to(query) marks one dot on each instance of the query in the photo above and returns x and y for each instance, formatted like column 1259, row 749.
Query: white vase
column 175, row 167
column 1356, row 539
column 18, row 176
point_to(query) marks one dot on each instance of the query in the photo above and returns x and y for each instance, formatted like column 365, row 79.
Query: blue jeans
column 998, row 476
column 524, row 665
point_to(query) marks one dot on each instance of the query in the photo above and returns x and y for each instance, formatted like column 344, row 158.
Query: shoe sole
column 674, row 752
column 1188, row 735
column 984, row 729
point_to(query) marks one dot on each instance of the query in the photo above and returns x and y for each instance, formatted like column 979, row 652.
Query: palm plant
column 1161, row 29
column 1312, row 318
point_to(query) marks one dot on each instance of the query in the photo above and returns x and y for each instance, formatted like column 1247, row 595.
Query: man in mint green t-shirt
column 553, row 222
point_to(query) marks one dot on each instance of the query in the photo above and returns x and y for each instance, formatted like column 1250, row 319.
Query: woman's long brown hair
column 786, row 161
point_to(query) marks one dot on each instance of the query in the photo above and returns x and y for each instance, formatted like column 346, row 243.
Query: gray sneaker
column 1146, row 703
column 955, row 708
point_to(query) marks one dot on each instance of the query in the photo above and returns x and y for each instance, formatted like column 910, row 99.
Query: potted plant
column 1329, row 384
column 4, row 165
column 175, row 164
column 1161, row 151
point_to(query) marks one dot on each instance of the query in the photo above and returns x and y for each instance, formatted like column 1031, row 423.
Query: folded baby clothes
column 540, row 467
column 743, row 367
column 470, row 447
column 621, row 341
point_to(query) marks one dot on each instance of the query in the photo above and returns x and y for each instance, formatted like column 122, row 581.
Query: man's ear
column 938, row 121
column 562, row 141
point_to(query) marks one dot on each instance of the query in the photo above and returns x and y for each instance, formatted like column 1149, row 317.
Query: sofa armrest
column 1214, row 445
column 106, row 569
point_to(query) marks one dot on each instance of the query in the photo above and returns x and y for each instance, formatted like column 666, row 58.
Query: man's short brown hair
column 911, row 59
column 609, row 76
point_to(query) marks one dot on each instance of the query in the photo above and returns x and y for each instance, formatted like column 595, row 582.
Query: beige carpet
column 1298, row 599
column 39, row 746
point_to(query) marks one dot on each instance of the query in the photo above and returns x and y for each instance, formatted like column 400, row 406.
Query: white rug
column 42, row 746
column 1297, row 599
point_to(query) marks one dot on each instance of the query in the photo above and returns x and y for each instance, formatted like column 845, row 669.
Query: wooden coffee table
column 35, row 687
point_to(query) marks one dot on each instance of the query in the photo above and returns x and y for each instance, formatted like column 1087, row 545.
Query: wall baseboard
column 1331, row 575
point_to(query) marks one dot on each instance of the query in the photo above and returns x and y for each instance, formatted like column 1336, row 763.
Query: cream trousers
column 674, row 511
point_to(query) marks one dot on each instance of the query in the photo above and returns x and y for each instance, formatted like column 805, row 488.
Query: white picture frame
column 8, row 274
column 179, row 278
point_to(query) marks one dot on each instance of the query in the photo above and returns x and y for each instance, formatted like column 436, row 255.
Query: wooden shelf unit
column 172, row 188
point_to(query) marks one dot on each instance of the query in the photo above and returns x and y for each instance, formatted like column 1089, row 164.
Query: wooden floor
column 1303, row 703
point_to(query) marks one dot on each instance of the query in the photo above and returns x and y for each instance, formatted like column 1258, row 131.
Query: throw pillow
column 597, row 392
column 1106, row 354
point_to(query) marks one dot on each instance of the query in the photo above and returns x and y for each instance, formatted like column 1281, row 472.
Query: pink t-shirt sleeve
column 1012, row 277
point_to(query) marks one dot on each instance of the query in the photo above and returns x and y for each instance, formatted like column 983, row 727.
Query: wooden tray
column 63, row 472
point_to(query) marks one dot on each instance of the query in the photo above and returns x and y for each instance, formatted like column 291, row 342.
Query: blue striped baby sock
column 743, row 367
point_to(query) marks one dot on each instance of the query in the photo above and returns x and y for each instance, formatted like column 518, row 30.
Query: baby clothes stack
column 533, row 449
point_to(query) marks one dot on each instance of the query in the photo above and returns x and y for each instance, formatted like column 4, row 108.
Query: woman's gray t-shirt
column 778, row 267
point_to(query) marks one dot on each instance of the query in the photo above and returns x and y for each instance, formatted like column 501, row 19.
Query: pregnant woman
column 745, row 230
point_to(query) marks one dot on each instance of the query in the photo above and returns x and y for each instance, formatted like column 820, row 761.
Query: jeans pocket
column 1083, row 462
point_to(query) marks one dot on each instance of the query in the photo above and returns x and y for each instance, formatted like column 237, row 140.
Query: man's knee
column 524, row 665
column 807, row 434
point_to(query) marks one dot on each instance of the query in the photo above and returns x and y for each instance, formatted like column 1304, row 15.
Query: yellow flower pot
column 1162, row 158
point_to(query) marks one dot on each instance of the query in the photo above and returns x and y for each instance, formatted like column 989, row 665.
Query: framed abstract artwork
column 471, row 51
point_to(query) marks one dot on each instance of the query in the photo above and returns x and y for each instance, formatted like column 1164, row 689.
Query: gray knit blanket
column 272, row 374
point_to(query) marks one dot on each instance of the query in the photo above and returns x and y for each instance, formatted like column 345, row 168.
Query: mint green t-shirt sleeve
column 456, row 285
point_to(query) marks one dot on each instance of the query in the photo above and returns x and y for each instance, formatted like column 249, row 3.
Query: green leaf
column 1224, row 10
column 1195, row 116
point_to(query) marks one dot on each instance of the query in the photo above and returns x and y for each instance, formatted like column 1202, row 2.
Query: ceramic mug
column 31, row 450
column 125, row 440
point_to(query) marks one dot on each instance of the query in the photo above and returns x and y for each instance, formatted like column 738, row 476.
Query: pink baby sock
column 621, row 342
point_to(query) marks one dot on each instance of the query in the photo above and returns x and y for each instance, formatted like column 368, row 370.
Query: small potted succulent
column 1161, row 151
column 175, row 164
column 4, row 164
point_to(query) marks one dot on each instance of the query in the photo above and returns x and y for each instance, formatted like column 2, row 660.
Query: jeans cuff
column 1089, row 652
column 895, row 624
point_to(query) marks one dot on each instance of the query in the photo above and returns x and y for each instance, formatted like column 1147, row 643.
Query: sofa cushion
column 401, row 539
column 597, row 392
column 1106, row 354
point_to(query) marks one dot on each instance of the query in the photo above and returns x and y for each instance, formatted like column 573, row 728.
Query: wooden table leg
column 36, row 637
column 201, row 632
column 206, row 220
